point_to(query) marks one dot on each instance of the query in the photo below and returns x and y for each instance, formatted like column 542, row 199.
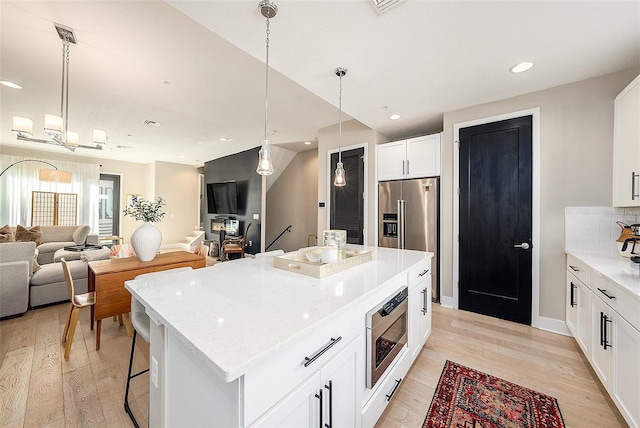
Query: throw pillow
column 26, row 235
column 7, row 235
column 35, row 263
column 80, row 234
column 91, row 255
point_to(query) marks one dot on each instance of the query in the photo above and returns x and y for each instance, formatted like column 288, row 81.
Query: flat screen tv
column 222, row 198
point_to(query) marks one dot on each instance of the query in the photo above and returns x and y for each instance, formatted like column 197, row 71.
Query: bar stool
column 141, row 325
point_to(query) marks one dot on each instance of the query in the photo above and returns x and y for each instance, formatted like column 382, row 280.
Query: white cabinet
column 419, row 314
column 329, row 397
column 626, row 147
column 626, row 382
column 601, row 330
column 579, row 312
column 413, row 158
column 603, row 317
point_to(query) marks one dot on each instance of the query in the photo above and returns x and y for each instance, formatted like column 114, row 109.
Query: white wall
column 576, row 158
column 292, row 200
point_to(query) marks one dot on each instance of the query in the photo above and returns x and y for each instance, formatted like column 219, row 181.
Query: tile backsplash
column 594, row 228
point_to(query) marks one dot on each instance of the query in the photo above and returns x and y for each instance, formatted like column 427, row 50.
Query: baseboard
column 553, row 325
column 448, row 302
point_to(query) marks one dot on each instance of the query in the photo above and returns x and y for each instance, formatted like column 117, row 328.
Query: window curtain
column 17, row 183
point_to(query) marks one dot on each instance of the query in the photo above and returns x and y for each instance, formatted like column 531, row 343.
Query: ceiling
column 197, row 67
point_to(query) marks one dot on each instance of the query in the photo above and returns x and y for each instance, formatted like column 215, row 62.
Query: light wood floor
column 545, row 362
column 39, row 388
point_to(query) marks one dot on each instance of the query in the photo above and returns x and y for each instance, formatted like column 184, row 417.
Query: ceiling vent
column 381, row 6
column 152, row 123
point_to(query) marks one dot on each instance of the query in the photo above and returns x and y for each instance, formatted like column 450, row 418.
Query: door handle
column 524, row 246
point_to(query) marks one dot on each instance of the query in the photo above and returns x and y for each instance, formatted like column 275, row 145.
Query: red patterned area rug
column 467, row 398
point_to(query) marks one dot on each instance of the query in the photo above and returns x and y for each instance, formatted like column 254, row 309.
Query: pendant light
column 340, row 179
column 265, row 165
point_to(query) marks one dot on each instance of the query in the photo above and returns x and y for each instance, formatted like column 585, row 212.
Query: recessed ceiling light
column 226, row 140
column 273, row 131
column 394, row 117
column 9, row 84
column 519, row 68
column 307, row 143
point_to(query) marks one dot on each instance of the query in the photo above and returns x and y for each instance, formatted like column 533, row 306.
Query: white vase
column 146, row 241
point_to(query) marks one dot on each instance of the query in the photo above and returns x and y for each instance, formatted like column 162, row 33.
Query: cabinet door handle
column 424, row 302
column 606, row 293
column 601, row 329
column 634, row 195
column 573, row 286
column 403, row 173
column 394, row 389
column 573, row 268
column 311, row 359
column 423, row 273
column 407, row 166
column 319, row 397
column 330, row 388
column 605, row 340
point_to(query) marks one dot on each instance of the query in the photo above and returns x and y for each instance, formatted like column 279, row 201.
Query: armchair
column 234, row 245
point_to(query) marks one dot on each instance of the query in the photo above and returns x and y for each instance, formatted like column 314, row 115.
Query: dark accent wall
column 240, row 167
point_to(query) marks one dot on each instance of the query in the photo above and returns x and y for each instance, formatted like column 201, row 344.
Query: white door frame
column 365, row 211
column 535, row 204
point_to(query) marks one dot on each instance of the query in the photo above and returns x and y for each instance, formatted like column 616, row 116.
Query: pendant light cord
column 64, row 96
column 266, row 85
column 340, row 123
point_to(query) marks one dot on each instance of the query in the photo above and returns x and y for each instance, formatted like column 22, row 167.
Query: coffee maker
column 634, row 240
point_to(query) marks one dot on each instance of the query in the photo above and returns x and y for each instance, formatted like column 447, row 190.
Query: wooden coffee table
column 107, row 277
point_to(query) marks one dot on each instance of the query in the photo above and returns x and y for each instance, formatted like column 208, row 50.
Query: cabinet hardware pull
column 403, row 168
column 319, row 397
column 330, row 388
column 573, row 286
column 601, row 329
column 423, row 273
column 424, row 302
column 309, row 360
column 407, row 166
column 573, row 268
column 606, row 294
column 606, row 343
column 633, row 186
column 394, row 389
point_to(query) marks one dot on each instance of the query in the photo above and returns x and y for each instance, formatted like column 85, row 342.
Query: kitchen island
column 245, row 344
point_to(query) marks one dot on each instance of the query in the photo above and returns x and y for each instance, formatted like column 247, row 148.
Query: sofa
column 25, row 283
column 57, row 237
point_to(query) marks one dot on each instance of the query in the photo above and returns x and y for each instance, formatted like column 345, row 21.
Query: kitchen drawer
column 267, row 384
column 626, row 304
column 419, row 272
column 579, row 269
column 385, row 390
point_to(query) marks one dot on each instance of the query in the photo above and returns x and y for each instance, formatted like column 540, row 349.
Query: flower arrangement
column 146, row 211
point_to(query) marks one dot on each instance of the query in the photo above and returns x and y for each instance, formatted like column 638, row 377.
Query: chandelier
column 54, row 125
column 265, row 164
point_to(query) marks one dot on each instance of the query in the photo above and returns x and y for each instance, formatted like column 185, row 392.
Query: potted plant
column 147, row 238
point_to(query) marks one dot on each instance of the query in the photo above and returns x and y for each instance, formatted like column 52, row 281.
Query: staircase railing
column 286, row 229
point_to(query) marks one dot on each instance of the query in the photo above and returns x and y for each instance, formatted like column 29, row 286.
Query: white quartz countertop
column 616, row 268
column 234, row 315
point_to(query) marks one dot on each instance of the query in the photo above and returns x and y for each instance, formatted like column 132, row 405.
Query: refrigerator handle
column 402, row 219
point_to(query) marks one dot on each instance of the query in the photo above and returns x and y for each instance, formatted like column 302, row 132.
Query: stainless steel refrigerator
column 408, row 215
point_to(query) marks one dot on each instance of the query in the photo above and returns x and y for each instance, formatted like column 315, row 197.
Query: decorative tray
column 83, row 247
column 296, row 261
